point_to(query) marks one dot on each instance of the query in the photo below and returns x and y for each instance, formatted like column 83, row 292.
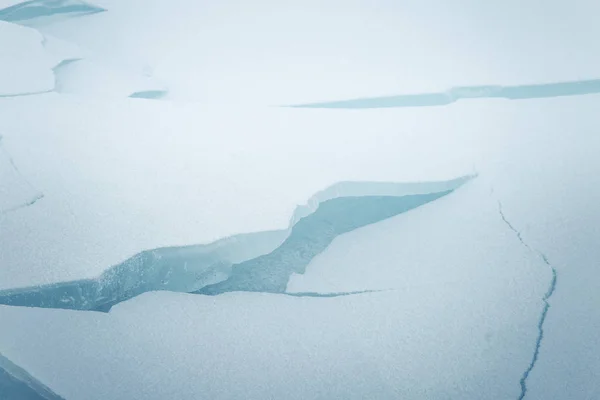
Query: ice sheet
column 284, row 52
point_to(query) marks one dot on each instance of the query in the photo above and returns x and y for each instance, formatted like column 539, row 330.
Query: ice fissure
column 37, row 195
column 254, row 262
column 516, row 92
column 545, row 299
column 310, row 237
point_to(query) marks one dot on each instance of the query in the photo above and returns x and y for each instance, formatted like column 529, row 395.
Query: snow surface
column 89, row 178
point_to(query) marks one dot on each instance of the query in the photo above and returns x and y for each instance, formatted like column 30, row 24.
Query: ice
column 487, row 292
column 265, row 52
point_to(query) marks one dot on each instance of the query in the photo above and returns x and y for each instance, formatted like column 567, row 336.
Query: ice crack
column 38, row 194
column 334, row 294
column 545, row 299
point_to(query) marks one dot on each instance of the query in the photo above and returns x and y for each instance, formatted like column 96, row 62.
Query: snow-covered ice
column 489, row 291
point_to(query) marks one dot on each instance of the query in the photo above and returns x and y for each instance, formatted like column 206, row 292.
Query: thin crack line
column 333, row 294
column 37, row 197
column 26, row 93
column 545, row 299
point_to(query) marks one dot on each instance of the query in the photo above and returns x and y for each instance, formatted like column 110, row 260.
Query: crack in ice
column 452, row 95
column 38, row 196
column 256, row 262
column 333, row 294
column 545, row 299
column 26, row 93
